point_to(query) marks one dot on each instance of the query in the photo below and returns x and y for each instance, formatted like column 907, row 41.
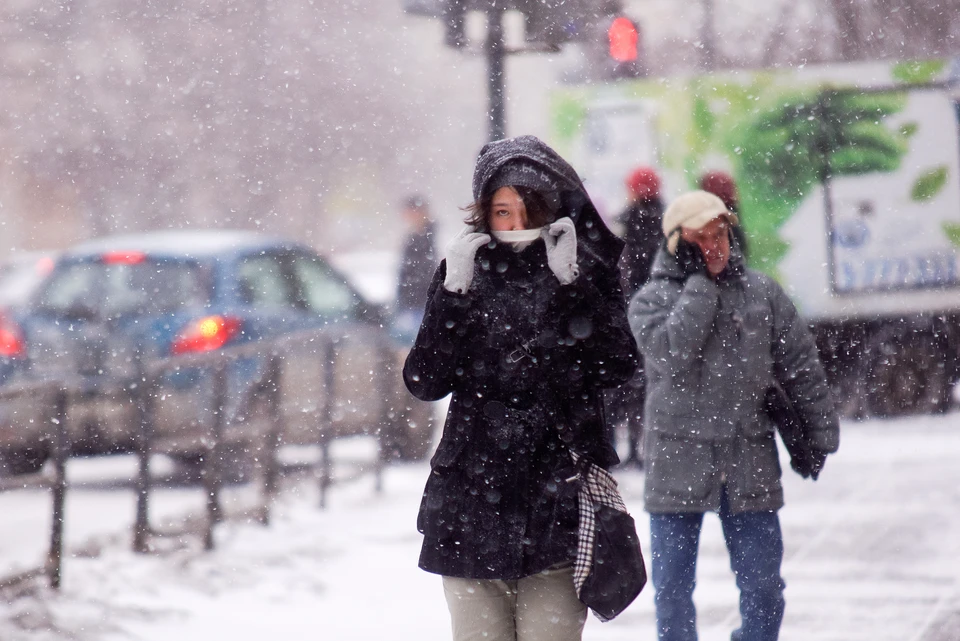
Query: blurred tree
column 240, row 113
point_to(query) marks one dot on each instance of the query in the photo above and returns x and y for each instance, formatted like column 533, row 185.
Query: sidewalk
column 872, row 553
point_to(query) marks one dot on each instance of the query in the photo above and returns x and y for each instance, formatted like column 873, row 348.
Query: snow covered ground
column 873, row 553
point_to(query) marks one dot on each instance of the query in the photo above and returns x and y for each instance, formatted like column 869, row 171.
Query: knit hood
column 596, row 244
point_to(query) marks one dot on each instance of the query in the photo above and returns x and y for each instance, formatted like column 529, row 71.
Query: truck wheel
column 848, row 392
column 908, row 376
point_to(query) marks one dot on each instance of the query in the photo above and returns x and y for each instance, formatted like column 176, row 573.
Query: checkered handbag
column 609, row 571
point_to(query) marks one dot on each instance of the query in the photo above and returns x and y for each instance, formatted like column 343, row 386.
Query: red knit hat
column 643, row 182
column 721, row 184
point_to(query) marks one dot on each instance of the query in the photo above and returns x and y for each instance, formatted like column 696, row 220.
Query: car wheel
column 26, row 461
column 234, row 462
column 848, row 394
column 188, row 465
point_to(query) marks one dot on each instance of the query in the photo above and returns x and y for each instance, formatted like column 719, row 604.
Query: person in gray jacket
column 715, row 338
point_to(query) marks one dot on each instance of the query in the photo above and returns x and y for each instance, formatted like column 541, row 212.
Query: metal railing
column 264, row 429
column 57, row 483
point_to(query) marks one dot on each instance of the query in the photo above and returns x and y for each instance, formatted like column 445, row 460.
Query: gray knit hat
column 523, row 173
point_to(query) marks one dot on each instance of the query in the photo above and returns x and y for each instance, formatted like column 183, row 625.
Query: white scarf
column 519, row 239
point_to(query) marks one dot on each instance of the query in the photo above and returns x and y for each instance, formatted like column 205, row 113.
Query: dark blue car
column 160, row 295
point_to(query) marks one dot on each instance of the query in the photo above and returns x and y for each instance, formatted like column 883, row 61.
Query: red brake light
column 11, row 339
column 206, row 334
column 123, row 258
column 45, row 265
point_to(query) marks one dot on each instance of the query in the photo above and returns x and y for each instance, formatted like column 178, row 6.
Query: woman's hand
column 460, row 254
column 561, row 241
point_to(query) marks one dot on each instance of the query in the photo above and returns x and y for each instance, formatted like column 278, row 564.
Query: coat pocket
column 440, row 505
column 760, row 466
column 687, row 424
column 679, row 468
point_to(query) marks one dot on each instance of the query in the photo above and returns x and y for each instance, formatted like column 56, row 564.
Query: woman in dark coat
column 525, row 325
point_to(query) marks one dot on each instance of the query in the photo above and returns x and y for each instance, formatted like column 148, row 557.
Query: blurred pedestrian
column 722, row 185
column 641, row 222
column 525, row 326
column 418, row 261
column 715, row 337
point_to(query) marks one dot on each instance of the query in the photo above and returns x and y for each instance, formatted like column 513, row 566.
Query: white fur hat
column 692, row 210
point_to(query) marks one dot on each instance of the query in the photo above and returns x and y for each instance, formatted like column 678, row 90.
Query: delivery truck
column 849, row 185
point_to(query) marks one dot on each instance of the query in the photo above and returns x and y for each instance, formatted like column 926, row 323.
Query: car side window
column 322, row 290
column 263, row 283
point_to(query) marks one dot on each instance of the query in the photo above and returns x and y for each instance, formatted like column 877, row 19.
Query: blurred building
column 312, row 120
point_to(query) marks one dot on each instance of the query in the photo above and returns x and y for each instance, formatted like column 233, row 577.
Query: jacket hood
column 596, row 244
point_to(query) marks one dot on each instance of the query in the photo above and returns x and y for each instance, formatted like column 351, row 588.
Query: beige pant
column 542, row 607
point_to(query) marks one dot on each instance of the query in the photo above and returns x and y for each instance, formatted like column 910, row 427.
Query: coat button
column 495, row 410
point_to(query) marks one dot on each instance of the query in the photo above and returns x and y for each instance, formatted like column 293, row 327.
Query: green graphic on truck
column 850, row 173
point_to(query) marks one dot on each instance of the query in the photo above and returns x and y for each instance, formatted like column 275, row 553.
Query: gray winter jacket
column 712, row 349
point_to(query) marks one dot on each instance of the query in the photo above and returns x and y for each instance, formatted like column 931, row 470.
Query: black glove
column 690, row 258
column 817, row 459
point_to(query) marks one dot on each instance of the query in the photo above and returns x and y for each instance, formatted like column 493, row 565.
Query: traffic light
column 623, row 48
column 623, row 36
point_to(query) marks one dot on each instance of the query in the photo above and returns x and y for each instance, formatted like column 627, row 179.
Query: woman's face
column 507, row 211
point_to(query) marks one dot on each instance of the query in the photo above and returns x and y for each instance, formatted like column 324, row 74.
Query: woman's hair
column 538, row 212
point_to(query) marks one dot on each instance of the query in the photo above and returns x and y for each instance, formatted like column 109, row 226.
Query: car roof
column 187, row 243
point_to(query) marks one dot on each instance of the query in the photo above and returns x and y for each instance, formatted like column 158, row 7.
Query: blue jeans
column 755, row 544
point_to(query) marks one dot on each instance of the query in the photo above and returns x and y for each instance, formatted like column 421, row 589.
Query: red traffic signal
column 624, row 36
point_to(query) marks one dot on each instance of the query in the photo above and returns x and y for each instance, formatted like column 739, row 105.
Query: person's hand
column 561, row 241
column 817, row 459
column 690, row 258
column 460, row 254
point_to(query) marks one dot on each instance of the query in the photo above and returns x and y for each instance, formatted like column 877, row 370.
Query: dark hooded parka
column 525, row 359
column 711, row 350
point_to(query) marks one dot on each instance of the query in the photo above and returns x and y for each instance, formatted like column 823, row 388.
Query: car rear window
column 110, row 289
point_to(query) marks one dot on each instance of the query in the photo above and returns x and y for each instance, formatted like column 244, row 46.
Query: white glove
column 460, row 254
column 561, row 241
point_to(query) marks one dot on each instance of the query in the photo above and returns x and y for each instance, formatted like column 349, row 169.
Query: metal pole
column 707, row 37
column 274, row 432
column 325, row 473
column 141, row 527
column 212, row 466
column 60, row 452
column 386, row 428
column 822, row 111
column 496, row 54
